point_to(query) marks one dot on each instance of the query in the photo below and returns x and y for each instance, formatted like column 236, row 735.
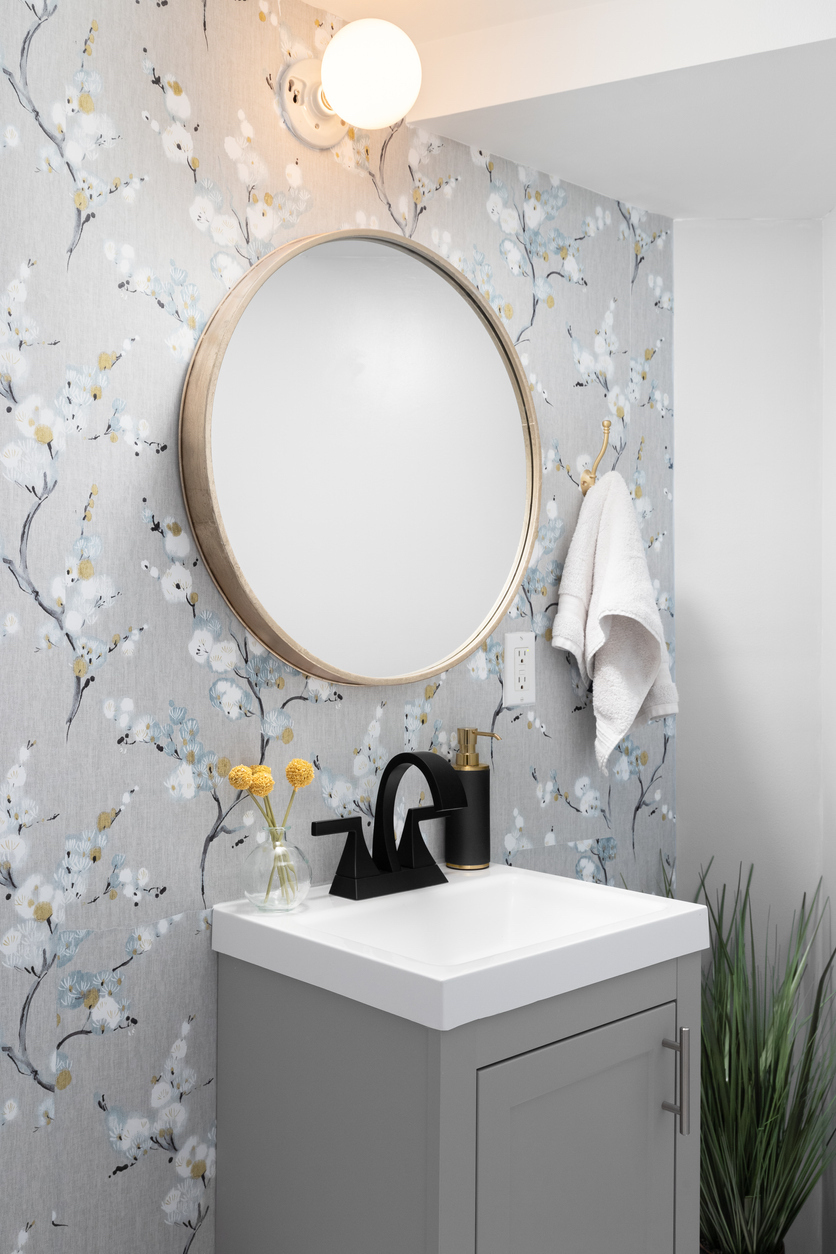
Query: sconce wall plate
column 299, row 94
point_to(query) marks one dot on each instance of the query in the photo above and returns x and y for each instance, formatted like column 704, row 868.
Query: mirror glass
column 371, row 458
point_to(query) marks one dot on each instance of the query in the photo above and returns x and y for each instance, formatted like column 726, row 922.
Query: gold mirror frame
column 197, row 478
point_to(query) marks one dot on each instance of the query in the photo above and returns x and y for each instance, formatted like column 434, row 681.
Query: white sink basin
column 485, row 943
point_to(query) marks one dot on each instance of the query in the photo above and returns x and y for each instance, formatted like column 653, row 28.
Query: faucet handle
column 356, row 861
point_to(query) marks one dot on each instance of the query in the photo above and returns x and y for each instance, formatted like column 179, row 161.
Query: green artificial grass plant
column 768, row 1068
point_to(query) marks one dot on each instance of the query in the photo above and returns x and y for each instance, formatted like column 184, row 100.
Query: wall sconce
column 369, row 77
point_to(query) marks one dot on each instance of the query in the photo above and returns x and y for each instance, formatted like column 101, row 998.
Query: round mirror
column 360, row 458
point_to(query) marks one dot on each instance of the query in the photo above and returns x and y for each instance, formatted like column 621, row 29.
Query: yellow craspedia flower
column 240, row 777
column 299, row 773
column 262, row 782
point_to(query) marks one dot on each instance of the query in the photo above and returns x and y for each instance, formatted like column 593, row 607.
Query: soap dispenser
column 467, row 843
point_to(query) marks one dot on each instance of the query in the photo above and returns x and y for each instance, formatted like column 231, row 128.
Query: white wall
column 829, row 553
column 748, row 500
column 828, row 738
column 748, row 543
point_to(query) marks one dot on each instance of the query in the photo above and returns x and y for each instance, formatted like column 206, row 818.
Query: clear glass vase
column 277, row 875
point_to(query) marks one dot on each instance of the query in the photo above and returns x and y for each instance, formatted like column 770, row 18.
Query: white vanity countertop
column 486, row 942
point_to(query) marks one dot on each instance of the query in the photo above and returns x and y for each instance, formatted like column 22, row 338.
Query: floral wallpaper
column 144, row 167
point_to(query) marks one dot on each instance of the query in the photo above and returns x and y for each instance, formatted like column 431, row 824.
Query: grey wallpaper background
column 143, row 167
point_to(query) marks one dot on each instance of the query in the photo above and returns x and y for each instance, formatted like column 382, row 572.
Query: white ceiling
column 425, row 20
column 746, row 138
column 731, row 104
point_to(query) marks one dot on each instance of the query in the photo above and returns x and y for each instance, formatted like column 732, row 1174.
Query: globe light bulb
column 371, row 73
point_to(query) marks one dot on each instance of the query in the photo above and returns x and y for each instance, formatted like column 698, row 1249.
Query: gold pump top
column 468, row 754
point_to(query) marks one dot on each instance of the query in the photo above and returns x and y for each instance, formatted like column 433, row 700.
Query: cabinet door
column 574, row 1152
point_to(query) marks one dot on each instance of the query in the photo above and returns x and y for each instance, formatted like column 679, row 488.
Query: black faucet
column 390, row 868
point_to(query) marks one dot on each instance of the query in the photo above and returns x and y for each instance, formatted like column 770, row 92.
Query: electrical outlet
column 519, row 668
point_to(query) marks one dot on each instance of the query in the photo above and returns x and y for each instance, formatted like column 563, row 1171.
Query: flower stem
column 261, row 809
column 281, row 863
column 286, row 873
column 289, row 804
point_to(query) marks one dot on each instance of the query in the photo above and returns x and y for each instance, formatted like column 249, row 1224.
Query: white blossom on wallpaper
column 75, row 127
column 163, row 1127
column 72, row 599
column 532, row 245
column 145, row 167
column 42, row 949
column 241, row 678
column 636, row 230
column 355, row 153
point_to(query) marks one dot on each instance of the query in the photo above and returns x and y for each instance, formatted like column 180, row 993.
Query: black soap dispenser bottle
column 468, row 832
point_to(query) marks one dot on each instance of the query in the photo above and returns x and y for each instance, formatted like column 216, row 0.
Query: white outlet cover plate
column 519, row 670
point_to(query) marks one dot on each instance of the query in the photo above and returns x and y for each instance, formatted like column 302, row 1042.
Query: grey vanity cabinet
column 573, row 1149
column 343, row 1129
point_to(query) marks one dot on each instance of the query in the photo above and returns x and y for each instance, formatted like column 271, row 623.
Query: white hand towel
column 608, row 619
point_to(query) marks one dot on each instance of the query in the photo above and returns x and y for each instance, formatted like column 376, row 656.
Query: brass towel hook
column 588, row 476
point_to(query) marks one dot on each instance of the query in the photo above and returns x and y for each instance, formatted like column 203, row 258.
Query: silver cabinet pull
column 683, row 1048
